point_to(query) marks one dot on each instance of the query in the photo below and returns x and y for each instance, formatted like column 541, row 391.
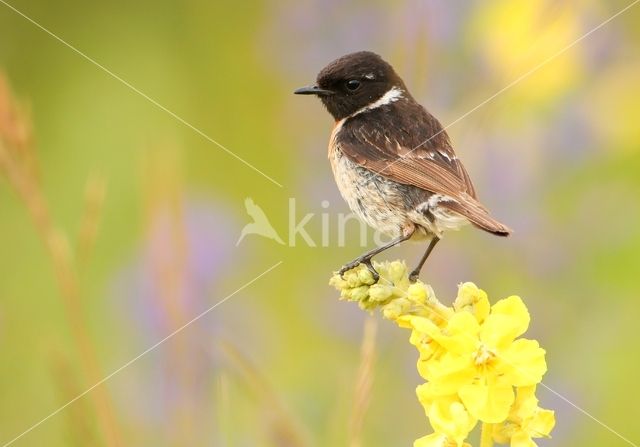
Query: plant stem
column 364, row 382
column 486, row 438
column 57, row 246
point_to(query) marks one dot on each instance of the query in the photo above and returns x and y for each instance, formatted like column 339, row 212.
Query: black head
column 353, row 82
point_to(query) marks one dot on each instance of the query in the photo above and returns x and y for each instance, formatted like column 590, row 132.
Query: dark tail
column 477, row 215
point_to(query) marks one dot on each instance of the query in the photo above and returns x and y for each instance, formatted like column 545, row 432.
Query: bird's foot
column 345, row 268
column 356, row 262
column 414, row 276
column 374, row 273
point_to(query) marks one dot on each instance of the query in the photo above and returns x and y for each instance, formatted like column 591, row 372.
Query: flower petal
column 448, row 415
column 448, row 373
column 460, row 335
column 502, row 432
column 522, row 439
column 508, row 320
column 489, row 402
column 526, row 403
column 541, row 424
column 432, row 440
column 426, row 396
column 522, row 363
column 472, row 298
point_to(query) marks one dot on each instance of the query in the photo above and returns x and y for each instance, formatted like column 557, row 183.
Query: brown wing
column 414, row 151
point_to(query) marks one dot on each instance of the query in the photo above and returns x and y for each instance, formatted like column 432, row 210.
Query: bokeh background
column 151, row 211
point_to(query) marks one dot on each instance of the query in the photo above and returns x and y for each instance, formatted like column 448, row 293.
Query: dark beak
column 314, row 90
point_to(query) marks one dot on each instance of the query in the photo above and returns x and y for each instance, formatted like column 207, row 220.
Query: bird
column 260, row 225
column 392, row 160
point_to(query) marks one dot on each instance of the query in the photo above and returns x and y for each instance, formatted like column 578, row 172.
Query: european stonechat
column 392, row 160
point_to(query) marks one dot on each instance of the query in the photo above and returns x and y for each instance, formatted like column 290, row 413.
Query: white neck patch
column 392, row 95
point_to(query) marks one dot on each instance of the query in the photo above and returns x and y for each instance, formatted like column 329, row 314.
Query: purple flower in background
column 186, row 251
column 184, row 254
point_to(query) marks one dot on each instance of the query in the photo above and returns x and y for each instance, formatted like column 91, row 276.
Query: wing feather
column 413, row 151
column 417, row 152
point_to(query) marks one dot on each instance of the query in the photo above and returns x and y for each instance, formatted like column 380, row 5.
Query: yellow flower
column 517, row 35
column 483, row 362
column 428, row 338
column 449, row 418
column 526, row 420
column 358, row 284
column 472, row 299
column 470, row 355
column 437, row 440
column 427, row 347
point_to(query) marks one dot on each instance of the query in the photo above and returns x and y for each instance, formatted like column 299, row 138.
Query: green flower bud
column 397, row 271
column 359, row 293
column 380, row 292
column 365, row 276
column 417, row 292
column 392, row 311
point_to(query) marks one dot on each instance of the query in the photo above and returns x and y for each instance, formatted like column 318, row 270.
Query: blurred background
column 118, row 222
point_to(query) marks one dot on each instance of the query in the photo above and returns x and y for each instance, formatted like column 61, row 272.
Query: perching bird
column 260, row 225
column 392, row 160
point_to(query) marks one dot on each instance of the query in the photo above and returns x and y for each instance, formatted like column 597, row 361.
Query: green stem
column 486, row 438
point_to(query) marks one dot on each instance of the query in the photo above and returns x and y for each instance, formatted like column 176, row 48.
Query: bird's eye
column 353, row 85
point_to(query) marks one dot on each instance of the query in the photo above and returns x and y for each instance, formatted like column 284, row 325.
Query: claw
column 347, row 267
column 356, row 263
column 373, row 271
column 413, row 277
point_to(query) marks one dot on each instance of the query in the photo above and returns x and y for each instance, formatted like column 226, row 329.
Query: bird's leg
column 366, row 258
column 416, row 272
